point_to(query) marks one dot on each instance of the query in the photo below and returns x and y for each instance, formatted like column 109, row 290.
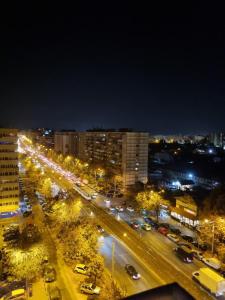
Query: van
column 184, row 254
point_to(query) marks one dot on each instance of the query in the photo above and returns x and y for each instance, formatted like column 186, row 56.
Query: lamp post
column 206, row 221
column 213, row 232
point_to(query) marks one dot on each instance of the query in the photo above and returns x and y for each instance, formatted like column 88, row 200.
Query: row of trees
column 97, row 175
column 78, row 236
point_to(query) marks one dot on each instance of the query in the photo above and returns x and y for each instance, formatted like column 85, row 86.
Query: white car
column 90, row 288
column 146, row 227
column 81, row 268
column 173, row 237
column 120, row 208
column 212, row 262
column 130, row 208
column 93, row 196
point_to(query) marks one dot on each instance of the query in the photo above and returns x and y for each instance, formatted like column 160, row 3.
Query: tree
column 45, row 187
column 151, row 200
column 67, row 211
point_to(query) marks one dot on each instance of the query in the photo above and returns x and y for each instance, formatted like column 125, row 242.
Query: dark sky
column 158, row 68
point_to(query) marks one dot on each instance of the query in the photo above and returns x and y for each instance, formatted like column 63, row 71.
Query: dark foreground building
column 166, row 292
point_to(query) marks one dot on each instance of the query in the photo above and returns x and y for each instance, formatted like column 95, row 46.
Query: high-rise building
column 217, row 139
column 124, row 153
column 9, row 188
column 65, row 142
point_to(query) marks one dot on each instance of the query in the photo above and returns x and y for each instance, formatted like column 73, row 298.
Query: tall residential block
column 9, row 188
column 65, row 142
column 124, row 153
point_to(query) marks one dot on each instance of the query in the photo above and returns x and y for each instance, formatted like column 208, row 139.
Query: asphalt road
column 153, row 253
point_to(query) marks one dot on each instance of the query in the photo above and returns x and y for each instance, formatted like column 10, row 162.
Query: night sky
column 160, row 69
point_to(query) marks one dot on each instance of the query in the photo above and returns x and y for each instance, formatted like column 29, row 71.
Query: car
column 163, row 230
column 90, row 288
column 175, row 230
column 202, row 246
column 54, row 293
column 120, row 208
column 132, row 272
column 197, row 254
column 222, row 272
column 212, row 262
column 120, row 195
column 81, row 268
column 135, row 225
column 151, row 222
column 185, row 244
column 27, row 213
column 112, row 208
column 165, row 225
column 184, row 253
column 18, row 294
column 49, row 274
column 93, row 196
column 100, row 229
column 187, row 238
column 146, row 226
column 173, row 237
column 45, row 259
column 130, row 208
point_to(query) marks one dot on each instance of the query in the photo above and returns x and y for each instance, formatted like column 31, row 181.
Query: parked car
column 49, row 273
column 130, row 208
column 100, row 229
column 135, row 225
column 151, row 222
column 54, row 293
column 90, row 288
column 212, row 262
column 132, row 271
column 187, row 238
column 185, row 244
column 202, row 246
column 112, row 208
column 146, row 226
column 19, row 294
column 163, row 230
column 81, row 268
column 173, row 237
column 120, row 208
column 165, row 225
column 27, row 213
column 175, row 230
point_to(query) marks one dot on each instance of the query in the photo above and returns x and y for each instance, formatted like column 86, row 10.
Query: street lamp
column 206, row 221
column 213, row 231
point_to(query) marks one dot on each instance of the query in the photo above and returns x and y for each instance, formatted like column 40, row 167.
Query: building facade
column 217, row 139
column 186, row 211
column 124, row 153
column 65, row 142
column 9, row 188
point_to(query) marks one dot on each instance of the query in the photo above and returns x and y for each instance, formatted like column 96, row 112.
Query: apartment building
column 124, row 153
column 9, row 188
column 65, row 142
